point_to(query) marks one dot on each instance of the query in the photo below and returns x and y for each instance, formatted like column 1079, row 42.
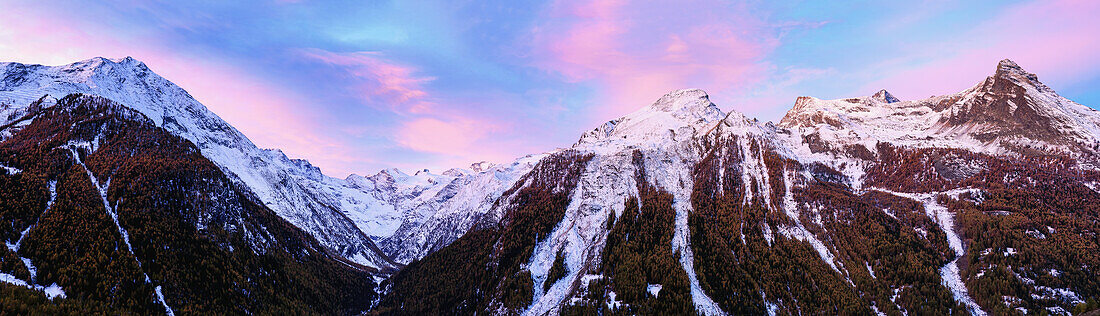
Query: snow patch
column 612, row 302
column 52, row 291
column 11, row 170
column 799, row 232
column 654, row 289
column 946, row 220
column 102, row 188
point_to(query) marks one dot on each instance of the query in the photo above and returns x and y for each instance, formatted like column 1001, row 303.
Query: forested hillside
column 103, row 211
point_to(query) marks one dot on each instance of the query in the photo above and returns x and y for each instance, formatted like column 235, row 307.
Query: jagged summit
column 884, row 97
column 1008, row 70
column 1007, row 65
column 1010, row 111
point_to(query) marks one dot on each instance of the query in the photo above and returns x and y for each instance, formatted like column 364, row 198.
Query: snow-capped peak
column 694, row 102
column 294, row 189
column 672, row 113
column 1008, row 112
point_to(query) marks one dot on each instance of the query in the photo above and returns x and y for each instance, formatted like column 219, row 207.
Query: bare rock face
column 1013, row 109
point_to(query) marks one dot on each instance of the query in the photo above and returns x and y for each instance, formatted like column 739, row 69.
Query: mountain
column 294, row 189
column 408, row 216
column 105, row 212
column 981, row 202
column 1010, row 112
column 966, row 203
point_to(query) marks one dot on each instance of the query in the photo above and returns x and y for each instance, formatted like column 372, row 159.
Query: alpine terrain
column 120, row 193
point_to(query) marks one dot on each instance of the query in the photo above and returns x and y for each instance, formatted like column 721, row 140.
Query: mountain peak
column 686, row 108
column 682, row 99
column 885, row 97
column 1008, row 64
column 1009, row 70
column 685, row 104
column 98, row 63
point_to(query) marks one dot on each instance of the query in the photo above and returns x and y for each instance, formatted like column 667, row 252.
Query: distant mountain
column 980, row 202
column 1010, row 112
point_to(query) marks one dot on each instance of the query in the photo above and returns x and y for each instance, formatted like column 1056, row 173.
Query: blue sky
column 356, row 86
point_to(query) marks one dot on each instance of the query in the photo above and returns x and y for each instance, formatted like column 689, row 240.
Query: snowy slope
column 411, row 215
column 441, row 214
column 294, row 189
column 666, row 132
column 1010, row 112
column 841, row 134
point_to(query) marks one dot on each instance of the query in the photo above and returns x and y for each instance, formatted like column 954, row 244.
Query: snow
column 52, row 291
column 665, row 132
column 1064, row 295
column 1035, row 234
column 613, row 303
column 11, row 170
column 435, row 217
column 916, row 123
column 654, row 289
column 877, row 312
column 392, row 217
column 160, row 297
column 102, row 188
column 945, row 219
column 8, row 278
column 772, row 308
column 14, row 248
column 799, row 232
column 769, row 237
column 1058, row 310
column 294, row 189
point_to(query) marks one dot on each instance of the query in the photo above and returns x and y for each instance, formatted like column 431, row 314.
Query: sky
column 357, row 86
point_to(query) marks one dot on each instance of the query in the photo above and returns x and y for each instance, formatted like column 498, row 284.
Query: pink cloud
column 1054, row 39
column 638, row 51
column 382, row 81
column 447, row 129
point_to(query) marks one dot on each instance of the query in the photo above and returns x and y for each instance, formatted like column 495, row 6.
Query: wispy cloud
column 1056, row 39
column 380, row 81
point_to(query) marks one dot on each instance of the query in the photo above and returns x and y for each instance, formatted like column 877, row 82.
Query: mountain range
column 980, row 202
